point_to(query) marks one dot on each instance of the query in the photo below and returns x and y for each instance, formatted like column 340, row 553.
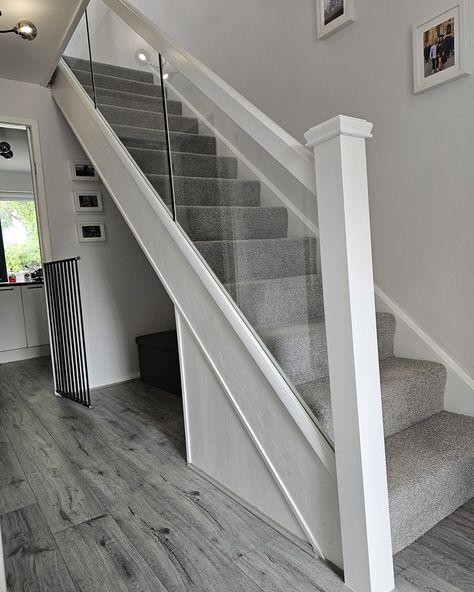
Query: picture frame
column 332, row 15
column 448, row 32
column 88, row 201
column 90, row 231
column 82, row 170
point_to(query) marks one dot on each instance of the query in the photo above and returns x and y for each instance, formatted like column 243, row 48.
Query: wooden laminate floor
column 102, row 500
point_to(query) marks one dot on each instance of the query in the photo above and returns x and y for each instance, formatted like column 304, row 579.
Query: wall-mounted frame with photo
column 82, row 170
column 441, row 48
column 88, row 232
column 332, row 15
column 88, row 201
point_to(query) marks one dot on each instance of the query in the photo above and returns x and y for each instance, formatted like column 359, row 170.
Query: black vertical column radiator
column 67, row 330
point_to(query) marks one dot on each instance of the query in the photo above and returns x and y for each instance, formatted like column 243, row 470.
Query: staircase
column 274, row 280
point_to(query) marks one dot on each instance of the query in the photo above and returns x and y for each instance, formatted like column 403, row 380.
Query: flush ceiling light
column 25, row 29
column 142, row 57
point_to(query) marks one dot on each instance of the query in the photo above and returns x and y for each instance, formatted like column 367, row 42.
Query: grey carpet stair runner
column 275, row 281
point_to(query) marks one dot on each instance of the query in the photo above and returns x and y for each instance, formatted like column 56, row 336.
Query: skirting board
column 115, row 381
column 412, row 341
column 303, row 545
column 25, row 353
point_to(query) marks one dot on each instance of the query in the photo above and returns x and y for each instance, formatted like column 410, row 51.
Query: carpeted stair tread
column 259, row 258
column 271, row 302
column 430, row 469
column 203, row 191
column 109, row 70
column 210, row 223
column 104, row 81
column 117, row 98
column 185, row 163
column 301, row 349
column 412, row 390
column 148, row 120
column 138, row 137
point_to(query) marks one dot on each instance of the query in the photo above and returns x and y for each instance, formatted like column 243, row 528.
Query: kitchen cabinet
column 12, row 322
column 36, row 320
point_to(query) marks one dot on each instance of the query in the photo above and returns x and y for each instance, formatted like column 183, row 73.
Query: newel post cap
column 341, row 125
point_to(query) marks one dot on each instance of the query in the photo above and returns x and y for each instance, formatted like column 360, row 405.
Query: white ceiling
column 34, row 61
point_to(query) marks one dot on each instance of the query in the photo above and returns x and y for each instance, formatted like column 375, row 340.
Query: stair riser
column 280, row 302
column 260, row 259
column 109, row 70
column 149, row 121
column 208, row 192
column 132, row 101
column 303, row 356
column 412, row 391
column 121, row 84
column 208, row 224
column 191, row 165
column 134, row 137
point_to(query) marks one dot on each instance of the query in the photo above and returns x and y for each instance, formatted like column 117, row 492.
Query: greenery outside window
column 20, row 235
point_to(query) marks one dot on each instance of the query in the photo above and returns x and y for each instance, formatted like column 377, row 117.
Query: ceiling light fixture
column 24, row 29
column 5, row 150
column 142, row 57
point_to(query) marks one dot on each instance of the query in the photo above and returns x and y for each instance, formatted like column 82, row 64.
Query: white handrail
column 286, row 150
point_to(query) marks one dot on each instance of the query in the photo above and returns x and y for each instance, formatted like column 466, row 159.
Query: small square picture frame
column 333, row 15
column 90, row 231
column 83, row 170
column 448, row 31
column 88, row 201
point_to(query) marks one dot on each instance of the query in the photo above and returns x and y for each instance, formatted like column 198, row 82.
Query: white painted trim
column 68, row 32
column 24, row 353
column 412, row 341
column 340, row 125
column 184, row 387
column 302, row 544
column 255, row 440
column 115, row 381
column 293, row 405
column 290, row 153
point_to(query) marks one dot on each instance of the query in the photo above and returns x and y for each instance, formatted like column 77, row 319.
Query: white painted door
column 12, row 324
column 36, row 320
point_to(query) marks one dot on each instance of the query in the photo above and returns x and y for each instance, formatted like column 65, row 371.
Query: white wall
column 122, row 296
column 421, row 177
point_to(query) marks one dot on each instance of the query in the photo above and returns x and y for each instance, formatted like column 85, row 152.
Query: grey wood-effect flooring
column 102, row 500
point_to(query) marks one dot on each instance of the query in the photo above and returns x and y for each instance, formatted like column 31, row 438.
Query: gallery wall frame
column 82, row 170
column 89, row 231
column 449, row 31
column 88, row 201
column 332, row 15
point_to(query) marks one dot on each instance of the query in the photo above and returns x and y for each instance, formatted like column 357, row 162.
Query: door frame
column 37, row 176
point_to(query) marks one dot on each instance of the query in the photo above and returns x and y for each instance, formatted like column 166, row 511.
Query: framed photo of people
column 332, row 15
column 441, row 47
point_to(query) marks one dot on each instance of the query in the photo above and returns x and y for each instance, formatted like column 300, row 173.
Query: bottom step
column 430, row 473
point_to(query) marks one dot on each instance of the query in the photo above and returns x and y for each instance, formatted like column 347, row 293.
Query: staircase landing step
column 430, row 473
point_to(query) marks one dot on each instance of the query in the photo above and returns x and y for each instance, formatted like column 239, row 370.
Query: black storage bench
column 159, row 360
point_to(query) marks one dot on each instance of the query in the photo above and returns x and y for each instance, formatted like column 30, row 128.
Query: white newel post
column 349, row 304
